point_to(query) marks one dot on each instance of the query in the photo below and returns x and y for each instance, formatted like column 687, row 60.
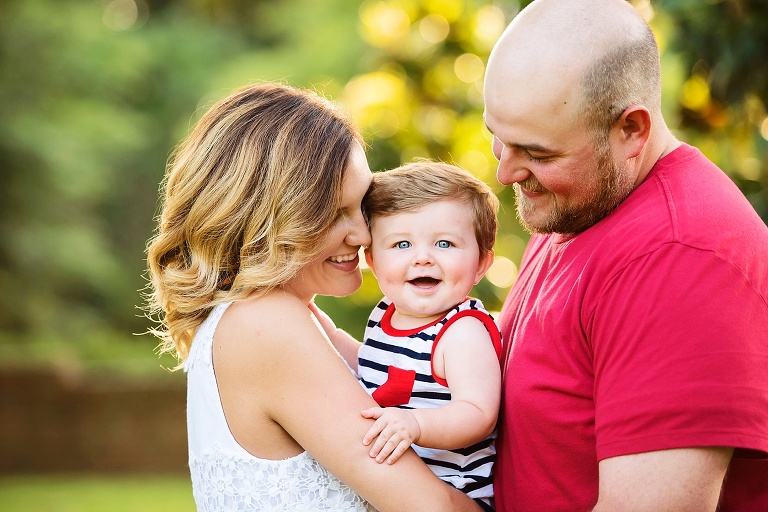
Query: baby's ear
column 486, row 261
column 369, row 259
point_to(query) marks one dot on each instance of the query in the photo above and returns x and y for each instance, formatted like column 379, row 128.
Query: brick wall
column 55, row 420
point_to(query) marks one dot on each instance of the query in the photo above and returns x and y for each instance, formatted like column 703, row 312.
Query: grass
column 96, row 493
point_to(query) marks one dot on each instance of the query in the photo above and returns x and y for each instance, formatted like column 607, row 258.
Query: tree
column 722, row 102
column 94, row 95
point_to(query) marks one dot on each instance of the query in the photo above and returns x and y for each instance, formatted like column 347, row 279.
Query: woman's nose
column 358, row 231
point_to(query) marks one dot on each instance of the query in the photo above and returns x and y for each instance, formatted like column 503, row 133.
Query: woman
column 261, row 213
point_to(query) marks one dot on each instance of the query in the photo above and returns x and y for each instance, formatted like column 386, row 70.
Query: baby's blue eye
column 403, row 245
column 443, row 244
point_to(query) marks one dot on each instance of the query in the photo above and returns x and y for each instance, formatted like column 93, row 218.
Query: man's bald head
column 599, row 54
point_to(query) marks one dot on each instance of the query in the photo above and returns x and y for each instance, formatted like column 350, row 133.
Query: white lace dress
column 225, row 477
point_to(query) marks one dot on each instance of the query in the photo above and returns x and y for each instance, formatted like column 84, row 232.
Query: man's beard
column 612, row 187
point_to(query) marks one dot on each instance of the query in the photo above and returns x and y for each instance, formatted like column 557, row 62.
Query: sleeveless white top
column 225, row 477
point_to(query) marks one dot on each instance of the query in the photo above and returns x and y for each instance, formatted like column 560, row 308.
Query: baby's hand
column 326, row 323
column 394, row 431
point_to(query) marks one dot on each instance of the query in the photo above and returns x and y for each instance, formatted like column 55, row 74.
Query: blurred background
column 94, row 94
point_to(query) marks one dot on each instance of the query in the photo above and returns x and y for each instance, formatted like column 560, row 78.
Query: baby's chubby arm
column 466, row 358
column 344, row 343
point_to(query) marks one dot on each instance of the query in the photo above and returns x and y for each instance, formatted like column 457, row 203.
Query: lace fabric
column 222, row 482
column 225, row 477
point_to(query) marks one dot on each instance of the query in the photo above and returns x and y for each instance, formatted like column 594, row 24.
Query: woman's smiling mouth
column 345, row 262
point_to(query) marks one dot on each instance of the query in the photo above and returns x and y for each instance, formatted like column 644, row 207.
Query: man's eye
column 535, row 158
column 443, row 244
column 403, row 245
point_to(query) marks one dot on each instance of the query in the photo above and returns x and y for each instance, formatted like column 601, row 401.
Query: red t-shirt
column 648, row 331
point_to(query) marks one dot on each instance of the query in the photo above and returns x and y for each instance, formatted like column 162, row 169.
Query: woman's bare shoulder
column 264, row 326
column 267, row 317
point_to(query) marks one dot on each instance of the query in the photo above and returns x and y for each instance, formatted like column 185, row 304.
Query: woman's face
column 335, row 271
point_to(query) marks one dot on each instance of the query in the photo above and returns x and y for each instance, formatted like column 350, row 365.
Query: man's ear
column 369, row 259
column 634, row 128
column 485, row 263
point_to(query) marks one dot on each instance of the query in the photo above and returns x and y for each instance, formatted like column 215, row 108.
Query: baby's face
column 426, row 261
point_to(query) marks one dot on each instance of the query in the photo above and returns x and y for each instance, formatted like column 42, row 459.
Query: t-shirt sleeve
column 680, row 344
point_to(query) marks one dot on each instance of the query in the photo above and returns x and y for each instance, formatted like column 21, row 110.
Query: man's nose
column 511, row 169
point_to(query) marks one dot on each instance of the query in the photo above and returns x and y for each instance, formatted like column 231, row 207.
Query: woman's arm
column 289, row 375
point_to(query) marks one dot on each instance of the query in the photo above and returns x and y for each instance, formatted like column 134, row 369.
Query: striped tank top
column 395, row 367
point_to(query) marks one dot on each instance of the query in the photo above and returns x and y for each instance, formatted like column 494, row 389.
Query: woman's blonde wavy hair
column 247, row 200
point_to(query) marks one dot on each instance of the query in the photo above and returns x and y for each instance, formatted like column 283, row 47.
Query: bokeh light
column 695, row 93
column 476, row 162
column 434, row 28
column 384, row 23
column 436, row 122
column 489, row 23
column 503, row 272
column 120, row 15
column 645, row 8
column 451, row 10
column 750, row 168
column 377, row 101
column 764, row 128
column 440, row 81
column 469, row 68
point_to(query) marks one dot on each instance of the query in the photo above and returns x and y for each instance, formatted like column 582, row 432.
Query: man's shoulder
column 686, row 199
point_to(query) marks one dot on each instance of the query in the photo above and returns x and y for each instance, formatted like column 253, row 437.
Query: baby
column 430, row 357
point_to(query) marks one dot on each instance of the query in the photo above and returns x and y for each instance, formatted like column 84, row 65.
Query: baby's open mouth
column 424, row 281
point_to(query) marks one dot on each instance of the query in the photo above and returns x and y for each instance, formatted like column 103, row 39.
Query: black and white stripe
column 468, row 469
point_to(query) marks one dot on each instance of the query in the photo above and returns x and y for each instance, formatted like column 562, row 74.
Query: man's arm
column 679, row 480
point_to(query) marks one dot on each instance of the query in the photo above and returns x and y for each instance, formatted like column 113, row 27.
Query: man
column 636, row 364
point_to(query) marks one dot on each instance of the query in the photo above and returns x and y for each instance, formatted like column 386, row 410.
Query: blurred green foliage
column 95, row 94
column 722, row 47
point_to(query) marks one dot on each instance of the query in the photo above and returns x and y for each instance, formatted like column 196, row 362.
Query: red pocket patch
column 397, row 389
